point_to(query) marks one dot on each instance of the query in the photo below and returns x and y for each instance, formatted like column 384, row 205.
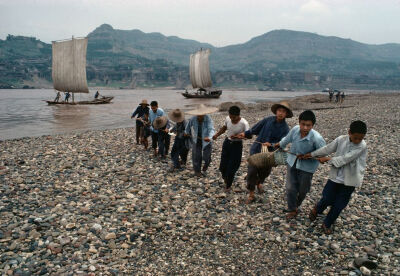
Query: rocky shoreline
column 94, row 203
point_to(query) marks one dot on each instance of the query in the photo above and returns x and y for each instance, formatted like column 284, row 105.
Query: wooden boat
column 203, row 94
column 69, row 71
column 200, row 77
column 103, row 100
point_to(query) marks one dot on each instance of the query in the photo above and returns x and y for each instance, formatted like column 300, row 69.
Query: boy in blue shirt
column 347, row 172
column 303, row 139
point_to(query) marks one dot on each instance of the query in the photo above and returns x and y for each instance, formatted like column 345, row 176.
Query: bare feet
column 292, row 214
column 260, row 189
column 326, row 230
column 251, row 198
column 313, row 214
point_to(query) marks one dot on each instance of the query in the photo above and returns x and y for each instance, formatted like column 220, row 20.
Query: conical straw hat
column 285, row 105
column 160, row 122
column 176, row 115
column 203, row 110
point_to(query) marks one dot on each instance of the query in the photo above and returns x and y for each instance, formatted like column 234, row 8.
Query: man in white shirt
column 231, row 155
column 347, row 172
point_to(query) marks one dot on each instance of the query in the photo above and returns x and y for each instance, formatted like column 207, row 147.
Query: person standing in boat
column 139, row 112
column 154, row 113
column 67, row 95
column 201, row 129
column 269, row 130
column 57, row 97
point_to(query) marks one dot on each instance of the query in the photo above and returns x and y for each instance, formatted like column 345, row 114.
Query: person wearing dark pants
column 139, row 112
column 179, row 149
column 231, row 155
column 153, row 114
column 298, row 184
column 347, row 172
column 201, row 128
column 337, row 196
column 303, row 139
column 269, row 130
column 161, row 124
column 199, row 155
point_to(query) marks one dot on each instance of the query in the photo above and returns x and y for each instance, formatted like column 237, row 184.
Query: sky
column 218, row 22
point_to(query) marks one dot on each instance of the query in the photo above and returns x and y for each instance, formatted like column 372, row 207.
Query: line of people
column 307, row 150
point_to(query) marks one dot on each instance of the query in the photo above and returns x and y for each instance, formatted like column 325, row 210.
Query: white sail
column 199, row 69
column 69, row 65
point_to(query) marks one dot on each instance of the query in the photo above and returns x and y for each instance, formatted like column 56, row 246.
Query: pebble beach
column 95, row 203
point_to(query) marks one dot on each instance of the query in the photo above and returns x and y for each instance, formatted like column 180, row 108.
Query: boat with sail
column 200, row 77
column 69, row 71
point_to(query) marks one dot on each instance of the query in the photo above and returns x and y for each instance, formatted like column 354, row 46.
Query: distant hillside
column 280, row 58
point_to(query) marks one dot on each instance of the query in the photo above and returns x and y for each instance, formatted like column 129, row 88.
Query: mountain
column 129, row 58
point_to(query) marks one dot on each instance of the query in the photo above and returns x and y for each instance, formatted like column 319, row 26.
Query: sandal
column 313, row 214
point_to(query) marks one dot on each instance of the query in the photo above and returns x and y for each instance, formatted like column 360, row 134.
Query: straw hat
column 203, row 110
column 285, row 105
column 144, row 102
column 160, row 122
column 176, row 115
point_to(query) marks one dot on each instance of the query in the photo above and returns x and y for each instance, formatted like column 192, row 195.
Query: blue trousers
column 337, row 196
column 298, row 184
column 199, row 154
column 231, row 157
column 179, row 150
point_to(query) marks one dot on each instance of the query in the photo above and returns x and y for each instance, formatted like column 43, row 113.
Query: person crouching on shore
column 231, row 155
column 201, row 128
column 347, row 172
column 269, row 130
column 304, row 139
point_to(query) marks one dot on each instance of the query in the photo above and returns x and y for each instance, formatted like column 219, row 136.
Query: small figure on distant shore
column 231, row 155
column 180, row 147
column 140, row 111
column 67, row 95
column 330, row 95
column 337, row 95
column 269, row 130
column 57, row 97
column 96, row 95
column 201, row 128
column 303, row 139
column 346, row 174
column 342, row 97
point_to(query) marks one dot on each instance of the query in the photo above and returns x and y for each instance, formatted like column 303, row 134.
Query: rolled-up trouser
column 139, row 128
column 179, row 149
column 256, row 176
column 298, row 184
column 199, row 154
column 231, row 157
column 154, row 139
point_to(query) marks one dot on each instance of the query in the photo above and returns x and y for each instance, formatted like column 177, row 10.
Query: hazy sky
column 219, row 22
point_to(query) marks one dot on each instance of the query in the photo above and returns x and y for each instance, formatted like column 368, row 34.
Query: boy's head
column 154, row 106
column 306, row 122
column 234, row 114
column 357, row 131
